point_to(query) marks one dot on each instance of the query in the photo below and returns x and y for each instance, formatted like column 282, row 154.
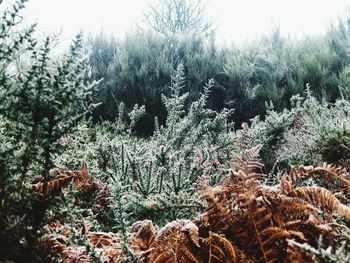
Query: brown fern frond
column 82, row 176
column 55, row 243
column 256, row 226
column 57, row 227
column 266, row 235
column 142, row 235
column 245, row 217
column 56, row 183
column 289, row 208
column 76, row 254
column 61, row 179
column 56, row 246
column 108, row 244
column 102, row 239
column 220, row 249
column 331, row 172
column 176, row 242
column 295, row 255
column 214, row 196
column 240, row 182
column 248, row 161
column 218, row 214
column 321, row 197
column 285, row 185
column 272, row 219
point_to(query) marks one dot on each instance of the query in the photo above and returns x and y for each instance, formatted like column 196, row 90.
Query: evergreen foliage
column 273, row 68
column 41, row 102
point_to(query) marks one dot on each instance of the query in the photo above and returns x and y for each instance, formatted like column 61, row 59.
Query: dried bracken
column 321, row 197
column 107, row 245
column 175, row 243
column 61, row 178
column 244, row 220
column 247, row 221
column 142, row 235
column 330, row 172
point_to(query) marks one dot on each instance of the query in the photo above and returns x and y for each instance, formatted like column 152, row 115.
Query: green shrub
column 42, row 99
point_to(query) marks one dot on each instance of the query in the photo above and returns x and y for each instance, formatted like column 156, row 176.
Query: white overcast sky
column 237, row 20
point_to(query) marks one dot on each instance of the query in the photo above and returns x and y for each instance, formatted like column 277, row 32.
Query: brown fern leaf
column 57, row 227
column 56, row 183
column 321, row 197
column 285, row 185
column 244, row 217
column 266, row 224
column 108, row 244
column 331, row 172
column 102, row 239
column 266, row 235
column 176, row 242
column 220, row 249
column 295, row 255
column 56, row 246
column 61, row 178
column 287, row 207
column 37, row 179
column 218, row 214
column 331, row 231
column 240, row 182
column 213, row 195
column 76, row 254
column 248, row 161
column 142, row 235
column 82, row 176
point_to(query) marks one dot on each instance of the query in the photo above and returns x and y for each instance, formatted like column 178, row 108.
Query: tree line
column 137, row 69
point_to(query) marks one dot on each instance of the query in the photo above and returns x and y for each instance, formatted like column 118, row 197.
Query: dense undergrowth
column 196, row 190
column 271, row 68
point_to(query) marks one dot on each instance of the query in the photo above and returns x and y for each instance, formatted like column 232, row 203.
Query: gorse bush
column 41, row 101
column 310, row 132
column 139, row 74
column 157, row 174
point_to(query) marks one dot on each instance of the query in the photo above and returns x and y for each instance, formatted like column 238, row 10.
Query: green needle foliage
column 42, row 99
column 272, row 68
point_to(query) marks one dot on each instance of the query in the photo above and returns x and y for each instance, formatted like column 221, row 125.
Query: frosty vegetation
column 199, row 154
